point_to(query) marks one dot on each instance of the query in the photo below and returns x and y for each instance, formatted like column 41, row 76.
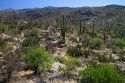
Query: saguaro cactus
column 63, row 27
column 104, row 33
column 93, row 25
column 93, row 28
column 80, row 26
column 57, row 22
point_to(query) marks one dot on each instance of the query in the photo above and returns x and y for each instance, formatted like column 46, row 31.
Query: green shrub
column 104, row 73
column 31, row 41
column 78, row 51
column 37, row 58
column 2, row 43
column 96, row 42
column 85, row 52
column 34, row 32
column 70, row 62
column 119, row 42
column 3, row 27
column 74, row 52
column 103, row 58
column 2, row 63
column 73, row 39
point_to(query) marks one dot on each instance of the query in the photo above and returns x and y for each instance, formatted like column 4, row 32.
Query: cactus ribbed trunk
column 80, row 27
column 93, row 29
column 57, row 23
column 104, row 34
column 63, row 27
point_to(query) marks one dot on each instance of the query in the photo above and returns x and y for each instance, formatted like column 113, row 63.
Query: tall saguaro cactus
column 63, row 27
column 104, row 33
column 57, row 22
column 93, row 25
column 80, row 26
column 93, row 28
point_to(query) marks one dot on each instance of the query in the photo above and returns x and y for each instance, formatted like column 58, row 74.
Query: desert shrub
column 2, row 43
column 12, row 26
column 122, row 58
column 93, row 62
column 78, row 51
column 109, row 44
column 74, row 52
column 3, row 27
column 85, row 52
column 37, row 58
column 96, row 42
column 119, row 42
column 10, row 62
column 73, row 39
column 61, row 69
column 103, row 58
column 116, row 50
column 34, row 32
column 31, row 41
column 70, row 62
column 104, row 73
column 1, row 63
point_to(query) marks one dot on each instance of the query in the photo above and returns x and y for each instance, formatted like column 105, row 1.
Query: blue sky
column 20, row 4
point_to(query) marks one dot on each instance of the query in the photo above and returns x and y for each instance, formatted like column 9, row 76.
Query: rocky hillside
column 51, row 13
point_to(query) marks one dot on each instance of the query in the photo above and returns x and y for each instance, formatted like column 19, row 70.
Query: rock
column 35, row 80
column 115, row 57
column 107, row 53
column 79, row 68
column 25, row 73
column 4, row 36
column 1, row 54
column 56, row 65
column 3, row 74
column 120, row 66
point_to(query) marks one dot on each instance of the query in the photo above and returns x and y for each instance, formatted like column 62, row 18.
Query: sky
column 21, row 4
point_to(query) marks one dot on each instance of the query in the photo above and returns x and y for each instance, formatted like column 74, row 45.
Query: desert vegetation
column 63, row 45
